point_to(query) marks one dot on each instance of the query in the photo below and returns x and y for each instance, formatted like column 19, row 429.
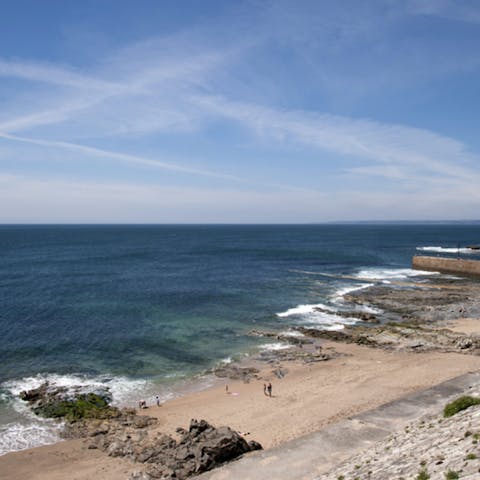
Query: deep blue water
column 152, row 302
column 144, row 300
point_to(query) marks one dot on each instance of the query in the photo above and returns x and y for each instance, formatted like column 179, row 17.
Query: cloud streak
column 396, row 146
column 262, row 106
column 131, row 159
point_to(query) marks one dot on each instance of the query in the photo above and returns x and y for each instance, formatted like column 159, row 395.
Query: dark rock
column 364, row 316
column 254, row 445
column 59, row 402
column 235, row 372
column 200, row 448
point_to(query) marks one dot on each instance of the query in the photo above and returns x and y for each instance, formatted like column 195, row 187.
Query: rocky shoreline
column 408, row 318
column 126, row 434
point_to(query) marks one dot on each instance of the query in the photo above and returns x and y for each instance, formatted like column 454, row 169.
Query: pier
column 456, row 266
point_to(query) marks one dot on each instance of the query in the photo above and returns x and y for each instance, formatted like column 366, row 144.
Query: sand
column 308, row 398
column 469, row 326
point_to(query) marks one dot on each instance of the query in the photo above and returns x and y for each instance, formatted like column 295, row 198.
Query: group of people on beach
column 267, row 390
column 143, row 404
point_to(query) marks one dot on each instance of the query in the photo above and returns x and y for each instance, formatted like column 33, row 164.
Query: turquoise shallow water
column 135, row 306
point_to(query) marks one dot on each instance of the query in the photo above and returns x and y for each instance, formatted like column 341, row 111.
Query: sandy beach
column 308, row 398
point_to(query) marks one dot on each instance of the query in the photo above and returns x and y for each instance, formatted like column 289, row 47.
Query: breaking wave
column 454, row 250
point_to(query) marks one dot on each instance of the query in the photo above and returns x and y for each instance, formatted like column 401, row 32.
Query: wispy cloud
column 150, row 81
column 54, row 74
column 262, row 100
column 395, row 145
column 132, row 159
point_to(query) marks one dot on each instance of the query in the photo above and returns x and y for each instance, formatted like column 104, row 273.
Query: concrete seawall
column 457, row 266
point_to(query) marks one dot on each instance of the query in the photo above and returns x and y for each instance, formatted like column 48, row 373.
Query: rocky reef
column 401, row 337
column 59, row 402
column 408, row 318
column 439, row 299
column 124, row 433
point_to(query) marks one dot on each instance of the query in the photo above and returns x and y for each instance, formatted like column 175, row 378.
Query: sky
column 202, row 111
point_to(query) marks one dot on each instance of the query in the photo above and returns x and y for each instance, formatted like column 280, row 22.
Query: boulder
column 200, row 448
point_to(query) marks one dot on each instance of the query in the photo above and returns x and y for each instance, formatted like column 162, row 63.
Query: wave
column 465, row 250
column 328, row 321
column 29, row 431
column 391, row 274
column 303, row 310
column 275, row 346
column 17, row 436
column 122, row 389
column 310, row 315
column 292, row 333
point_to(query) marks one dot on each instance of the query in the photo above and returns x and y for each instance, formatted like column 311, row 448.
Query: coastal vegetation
column 461, row 403
column 422, row 475
column 85, row 406
column 452, row 475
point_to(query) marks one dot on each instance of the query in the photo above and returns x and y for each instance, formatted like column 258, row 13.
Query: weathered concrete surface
column 311, row 456
column 458, row 266
column 437, row 446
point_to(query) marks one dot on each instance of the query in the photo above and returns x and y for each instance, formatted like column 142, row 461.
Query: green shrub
column 423, row 475
column 451, row 475
column 461, row 403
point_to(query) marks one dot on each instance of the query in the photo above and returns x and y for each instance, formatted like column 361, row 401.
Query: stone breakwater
column 457, row 266
column 432, row 447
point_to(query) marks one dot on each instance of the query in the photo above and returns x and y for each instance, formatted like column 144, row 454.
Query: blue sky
column 239, row 111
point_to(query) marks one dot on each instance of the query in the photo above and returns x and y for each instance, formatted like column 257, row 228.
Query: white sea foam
column 338, row 299
column 388, row 274
column 304, row 309
column 328, row 321
column 275, row 346
column 226, row 361
column 32, row 431
column 16, row 436
column 122, row 389
column 436, row 249
column 351, row 288
column 292, row 333
column 326, row 318
column 368, row 309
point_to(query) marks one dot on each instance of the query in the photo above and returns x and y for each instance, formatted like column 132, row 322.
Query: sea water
column 144, row 310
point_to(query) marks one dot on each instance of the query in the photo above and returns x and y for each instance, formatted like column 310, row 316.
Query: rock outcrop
column 439, row 299
column 401, row 337
column 200, row 448
column 69, row 404
column 124, row 433
column 236, row 372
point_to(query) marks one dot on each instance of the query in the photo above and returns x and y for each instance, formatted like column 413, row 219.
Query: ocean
column 148, row 310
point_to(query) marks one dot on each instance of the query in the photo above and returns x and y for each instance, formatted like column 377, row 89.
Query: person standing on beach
column 269, row 389
column 265, row 389
column 157, row 400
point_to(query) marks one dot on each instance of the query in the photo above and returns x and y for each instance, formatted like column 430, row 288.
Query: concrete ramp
column 308, row 457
